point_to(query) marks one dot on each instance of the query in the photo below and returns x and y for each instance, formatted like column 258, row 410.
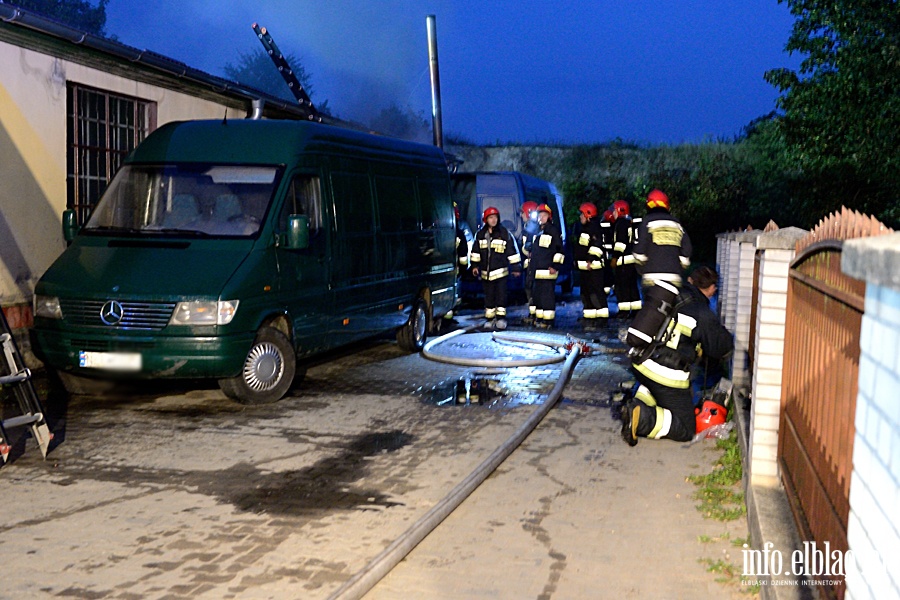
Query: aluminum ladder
column 287, row 73
column 14, row 375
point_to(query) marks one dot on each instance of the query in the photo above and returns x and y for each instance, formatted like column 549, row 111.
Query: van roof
column 270, row 141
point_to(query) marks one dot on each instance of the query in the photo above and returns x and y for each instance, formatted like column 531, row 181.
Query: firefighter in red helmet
column 590, row 260
column 622, row 259
column 661, row 253
column 493, row 252
column 546, row 258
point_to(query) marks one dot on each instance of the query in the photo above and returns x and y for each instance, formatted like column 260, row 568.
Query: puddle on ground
column 500, row 390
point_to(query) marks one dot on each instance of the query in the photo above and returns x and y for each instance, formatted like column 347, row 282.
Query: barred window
column 102, row 128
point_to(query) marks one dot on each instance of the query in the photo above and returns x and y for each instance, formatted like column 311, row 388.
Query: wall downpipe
column 436, row 119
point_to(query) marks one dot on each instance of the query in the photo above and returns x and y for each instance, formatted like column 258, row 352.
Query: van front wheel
column 411, row 337
column 268, row 370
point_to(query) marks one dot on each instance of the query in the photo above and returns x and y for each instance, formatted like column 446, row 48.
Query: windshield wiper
column 171, row 231
column 112, row 228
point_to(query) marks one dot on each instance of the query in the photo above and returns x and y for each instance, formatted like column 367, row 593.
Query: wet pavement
column 173, row 491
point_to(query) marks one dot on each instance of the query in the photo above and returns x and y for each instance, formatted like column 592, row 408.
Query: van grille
column 143, row 316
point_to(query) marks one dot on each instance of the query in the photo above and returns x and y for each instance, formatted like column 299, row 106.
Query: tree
column 75, row 13
column 841, row 120
column 257, row 70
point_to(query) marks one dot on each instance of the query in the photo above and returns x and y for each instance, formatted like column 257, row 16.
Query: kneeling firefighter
column 663, row 406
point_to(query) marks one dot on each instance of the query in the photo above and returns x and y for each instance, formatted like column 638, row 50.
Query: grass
column 721, row 497
column 719, row 491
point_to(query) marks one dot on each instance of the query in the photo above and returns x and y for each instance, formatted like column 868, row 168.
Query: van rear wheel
column 268, row 370
column 411, row 337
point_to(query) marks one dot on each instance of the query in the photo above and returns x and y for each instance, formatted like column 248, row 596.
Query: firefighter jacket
column 547, row 252
column 606, row 230
column 493, row 252
column 532, row 229
column 623, row 242
column 588, row 246
column 693, row 330
column 662, row 249
column 462, row 250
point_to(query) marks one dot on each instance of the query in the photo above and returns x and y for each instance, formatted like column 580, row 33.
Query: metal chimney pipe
column 258, row 104
column 436, row 120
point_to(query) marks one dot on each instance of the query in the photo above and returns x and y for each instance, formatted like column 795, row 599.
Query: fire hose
column 381, row 565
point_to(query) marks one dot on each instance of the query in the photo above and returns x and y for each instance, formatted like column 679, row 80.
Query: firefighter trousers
column 666, row 412
column 544, row 297
column 495, row 298
column 593, row 298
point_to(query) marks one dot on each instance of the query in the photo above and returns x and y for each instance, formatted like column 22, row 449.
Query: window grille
column 102, row 128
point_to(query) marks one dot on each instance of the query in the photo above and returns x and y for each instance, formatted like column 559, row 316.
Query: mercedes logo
column 112, row 312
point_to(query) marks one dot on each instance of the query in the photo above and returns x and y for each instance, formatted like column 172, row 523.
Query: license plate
column 113, row 361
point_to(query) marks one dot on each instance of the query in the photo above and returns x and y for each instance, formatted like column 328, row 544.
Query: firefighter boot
column 631, row 418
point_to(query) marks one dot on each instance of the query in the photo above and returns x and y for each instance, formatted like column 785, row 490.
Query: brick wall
column 873, row 532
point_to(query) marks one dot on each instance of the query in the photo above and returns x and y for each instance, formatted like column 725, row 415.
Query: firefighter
column 662, row 251
column 462, row 253
column 606, row 227
column 530, row 228
column 589, row 259
column 546, row 258
column 663, row 406
column 492, row 254
column 626, row 280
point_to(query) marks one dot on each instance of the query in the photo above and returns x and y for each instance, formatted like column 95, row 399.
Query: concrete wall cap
column 873, row 259
column 781, row 239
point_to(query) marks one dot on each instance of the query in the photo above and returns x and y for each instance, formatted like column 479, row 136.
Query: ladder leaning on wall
column 14, row 374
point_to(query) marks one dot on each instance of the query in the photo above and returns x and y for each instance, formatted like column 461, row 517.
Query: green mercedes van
column 230, row 249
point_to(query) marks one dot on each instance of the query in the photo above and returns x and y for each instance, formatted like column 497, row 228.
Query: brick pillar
column 776, row 251
column 729, row 276
column 873, row 532
column 746, row 254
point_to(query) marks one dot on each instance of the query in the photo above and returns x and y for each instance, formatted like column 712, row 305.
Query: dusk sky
column 564, row 72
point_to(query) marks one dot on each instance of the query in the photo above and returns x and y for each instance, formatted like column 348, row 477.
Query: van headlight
column 47, row 306
column 199, row 312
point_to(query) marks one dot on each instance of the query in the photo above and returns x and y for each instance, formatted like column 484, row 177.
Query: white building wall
column 33, row 147
column 873, row 532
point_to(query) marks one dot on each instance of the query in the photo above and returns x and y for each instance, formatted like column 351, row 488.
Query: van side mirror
column 297, row 236
column 69, row 225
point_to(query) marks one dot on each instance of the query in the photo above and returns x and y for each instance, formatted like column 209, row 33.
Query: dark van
column 506, row 191
column 228, row 250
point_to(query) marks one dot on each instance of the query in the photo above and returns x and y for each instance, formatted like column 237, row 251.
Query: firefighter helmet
column 588, row 209
column 608, row 216
column 529, row 207
column 545, row 208
column 490, row 210
column 711, row 414
column 657, row 198
column 621, row 208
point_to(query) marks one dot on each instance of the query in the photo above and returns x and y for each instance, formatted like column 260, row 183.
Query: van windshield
column 195, row 199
